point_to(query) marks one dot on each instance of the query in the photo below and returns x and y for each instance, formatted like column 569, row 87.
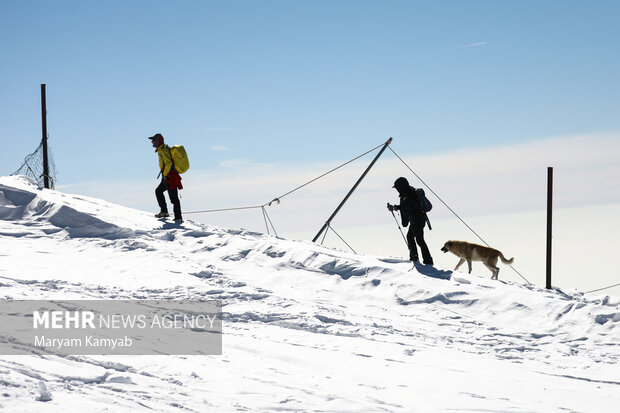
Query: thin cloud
column 477, row 44
column 246, row 164
column 219, row 148
column 235, row 163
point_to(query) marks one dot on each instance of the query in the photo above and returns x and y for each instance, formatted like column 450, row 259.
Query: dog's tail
column 504, row 260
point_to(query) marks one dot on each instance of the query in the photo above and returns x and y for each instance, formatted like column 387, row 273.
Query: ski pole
column 399, row 228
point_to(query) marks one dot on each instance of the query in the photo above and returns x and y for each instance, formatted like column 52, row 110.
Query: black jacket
column 410, row 207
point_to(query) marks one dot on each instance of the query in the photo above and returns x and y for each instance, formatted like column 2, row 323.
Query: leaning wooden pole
column 387, row 143
column 46, row 165
column 549, row 223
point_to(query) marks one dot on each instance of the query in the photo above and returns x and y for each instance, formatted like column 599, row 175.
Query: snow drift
column 306, row 328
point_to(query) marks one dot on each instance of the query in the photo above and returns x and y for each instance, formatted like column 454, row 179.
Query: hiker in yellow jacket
column 171, row 180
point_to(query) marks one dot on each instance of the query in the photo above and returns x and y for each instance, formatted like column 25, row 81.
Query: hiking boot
column 429, row 262
column 414, row 258
column 178, row 220
column 162, row 215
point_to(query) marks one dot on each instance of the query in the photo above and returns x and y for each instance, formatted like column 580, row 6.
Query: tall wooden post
column 549, row 223
column 46, row 166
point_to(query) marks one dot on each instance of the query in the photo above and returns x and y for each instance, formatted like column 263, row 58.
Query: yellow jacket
column 165, row 159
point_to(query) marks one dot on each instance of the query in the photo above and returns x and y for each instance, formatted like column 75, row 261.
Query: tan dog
column 473, row 252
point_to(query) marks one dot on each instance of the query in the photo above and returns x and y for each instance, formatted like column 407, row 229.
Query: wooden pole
column 46, row 167
column 329, row 220
column 549, row 223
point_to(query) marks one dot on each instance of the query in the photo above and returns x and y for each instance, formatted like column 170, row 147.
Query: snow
column 306, row 328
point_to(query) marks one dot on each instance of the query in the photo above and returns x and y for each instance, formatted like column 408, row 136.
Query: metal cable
column 342, row 239
column 321, row 176
column 604, row 288
column 277, row 199
column 223, row 209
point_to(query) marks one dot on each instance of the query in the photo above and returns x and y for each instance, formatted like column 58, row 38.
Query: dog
column 469, row 252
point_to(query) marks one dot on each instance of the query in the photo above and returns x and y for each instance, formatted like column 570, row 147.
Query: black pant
column 174, row 198
column 416, row 235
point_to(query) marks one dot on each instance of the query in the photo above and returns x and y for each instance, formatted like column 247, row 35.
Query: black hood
column 401, row 184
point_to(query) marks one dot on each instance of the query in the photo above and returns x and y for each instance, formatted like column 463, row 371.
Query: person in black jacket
column 411, row 213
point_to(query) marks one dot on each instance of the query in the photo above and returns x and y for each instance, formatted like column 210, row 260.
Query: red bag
column 174, row 180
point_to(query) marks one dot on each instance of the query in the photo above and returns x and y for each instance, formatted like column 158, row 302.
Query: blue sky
column 286, row 81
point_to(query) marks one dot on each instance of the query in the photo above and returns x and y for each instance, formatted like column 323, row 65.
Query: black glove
column 390, row 207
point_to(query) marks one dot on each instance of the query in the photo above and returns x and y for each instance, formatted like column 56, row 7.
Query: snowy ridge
column 306, row 328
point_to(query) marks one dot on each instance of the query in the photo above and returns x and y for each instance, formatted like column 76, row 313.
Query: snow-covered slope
column 306, row 328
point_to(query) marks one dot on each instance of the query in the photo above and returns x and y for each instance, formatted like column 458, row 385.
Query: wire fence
column 33, row 167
